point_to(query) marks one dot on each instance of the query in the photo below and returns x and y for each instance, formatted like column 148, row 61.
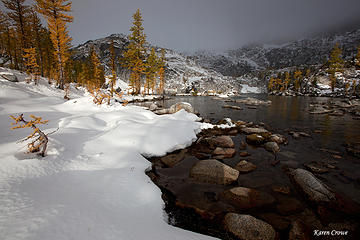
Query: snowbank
column 91, row 184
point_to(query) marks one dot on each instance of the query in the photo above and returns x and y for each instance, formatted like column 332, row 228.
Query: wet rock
column 240, row 123
column 253, row 101
column 221, row 153
column 246, row 198
column 319, row 110
column 247, row 227
column 242, row 145
column 295, row 135
column 278, row 222
column 303, row 134
column 181, row 105
column 232, row 107
column 299, row 231
column 213, row 171
column 353, row 149
column 221, row 141
column 226, row 121
column 245, row 166
column 255, row 139
column 289, row 206
column 272, row 147
column 244, row 154
column 316, row 167
column 248, row 130
column 279, row 139
column 282, row 189
column 173, row 159
column 312, row 187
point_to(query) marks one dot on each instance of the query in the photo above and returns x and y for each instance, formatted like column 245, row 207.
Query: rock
column 153, row 107
column 221, row 141
column 277, row 221
column 279, row 139
column 244, row 154
column 226, row 121
column 213, row 171
column 162, row 111
column 245, row 166
column 232, row 107
column 255, row 139
column 253, row 101
column 248, row 130
column 303, row 134
column 272, row 147
column 173, row 159
column 319, row 110
column 312, row 187
column 295, row 135
column 353, row 150
column 224, row 152
column 242, row 145
column 246, row 227
column 9, row 76
column 299, row 231
column 315, row 167
column 245, row 198
column 240, row 123
column 181, row 105
column 289, row 206
column 282, row 189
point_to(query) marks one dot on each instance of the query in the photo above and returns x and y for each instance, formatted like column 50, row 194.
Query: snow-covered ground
column 247, row 89
column 92, row 182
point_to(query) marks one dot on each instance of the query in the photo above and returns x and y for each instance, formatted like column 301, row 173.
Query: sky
column 188, row 25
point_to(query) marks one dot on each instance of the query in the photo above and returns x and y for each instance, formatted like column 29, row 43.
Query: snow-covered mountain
column 182, row 72
column 256, row 57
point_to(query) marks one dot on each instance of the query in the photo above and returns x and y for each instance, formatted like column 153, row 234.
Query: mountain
column 182, row 72
column 257, row 57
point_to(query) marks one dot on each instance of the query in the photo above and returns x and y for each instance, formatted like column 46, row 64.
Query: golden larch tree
column 336, row 64
column 55, row 12
column 32, row 67
column 162, row 72
column 113, row 69
column 152, row 65
column 135, row 55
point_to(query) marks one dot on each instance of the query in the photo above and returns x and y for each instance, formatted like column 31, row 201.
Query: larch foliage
column 55, row 12
column 152, row 65
column 286, row 81
column 32, row 67
column 98, row 78
column 135, row 54
column 297, row 80
column 113, row 69
column 336, row 64
column 18, row 13
column 162, row 73
column 38, row 138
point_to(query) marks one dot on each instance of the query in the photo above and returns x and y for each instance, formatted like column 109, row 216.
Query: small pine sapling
column 38, row 138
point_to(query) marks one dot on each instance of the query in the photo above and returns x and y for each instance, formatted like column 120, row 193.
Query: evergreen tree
column 162, row 73
column 136, row 53
column 297, row 80
column 113, row 69
column 97, row 78
column 336, row 64
column 152, row 68
column 55, row 13
column 286, row 81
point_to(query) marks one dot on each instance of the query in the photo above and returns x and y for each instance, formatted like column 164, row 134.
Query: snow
column 247, row 89
column 92, row 182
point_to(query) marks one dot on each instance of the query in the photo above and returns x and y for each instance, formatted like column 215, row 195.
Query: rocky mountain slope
column 182, row 72
column 256, row 57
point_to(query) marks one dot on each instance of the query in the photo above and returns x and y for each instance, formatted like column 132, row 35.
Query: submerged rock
column 272, row 147
column 221, row 153
column 245, row 166
column 255, row 139
column 247, row 227
column 249, row 130
column 213, row 171
column 253, row 101
column 279, row 139
column 245, row 198
column 312, row 187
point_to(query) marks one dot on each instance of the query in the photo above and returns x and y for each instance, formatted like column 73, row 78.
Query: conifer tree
column 98, row 78
column 286, row 81
column 136, row 52
column 113, row 69
column 297, row 80
column 55, row 12
column 162, row 72
column 18, row 13
column 336, row 64
column 152, row 68
column 32, row 68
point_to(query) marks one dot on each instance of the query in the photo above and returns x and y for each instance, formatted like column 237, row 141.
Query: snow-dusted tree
column 152, row 67
column 38, row 138
column 162, row 72
column 336, row 64
column 97, row 78
column 32, row 67
column 135, row 55
column 113, row 69
column 55, row 12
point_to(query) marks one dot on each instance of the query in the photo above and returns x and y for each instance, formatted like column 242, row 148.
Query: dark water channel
column 329, row 134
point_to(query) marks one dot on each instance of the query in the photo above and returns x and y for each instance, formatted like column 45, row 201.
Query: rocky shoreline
column 215, row 187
